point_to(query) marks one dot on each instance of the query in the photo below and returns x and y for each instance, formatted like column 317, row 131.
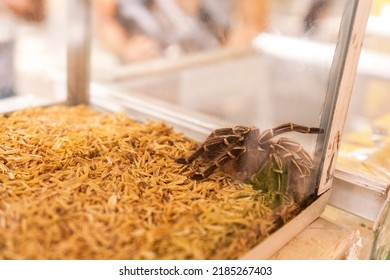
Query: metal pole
column 341, row 80
column 78, row 51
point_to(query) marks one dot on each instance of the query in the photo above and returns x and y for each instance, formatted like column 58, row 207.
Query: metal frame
column 341, row 80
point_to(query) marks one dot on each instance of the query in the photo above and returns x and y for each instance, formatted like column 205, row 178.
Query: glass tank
column 173, row 129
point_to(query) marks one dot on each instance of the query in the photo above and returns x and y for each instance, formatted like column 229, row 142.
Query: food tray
column 198, row 128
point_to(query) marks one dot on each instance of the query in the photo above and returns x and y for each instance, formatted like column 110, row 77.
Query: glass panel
column 381, row 246
column 267, row 80
column 366, row 144
column 279, row 75
column 229, row 98
column 32, row 53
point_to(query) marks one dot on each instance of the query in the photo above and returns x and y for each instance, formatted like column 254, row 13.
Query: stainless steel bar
column 78, row 51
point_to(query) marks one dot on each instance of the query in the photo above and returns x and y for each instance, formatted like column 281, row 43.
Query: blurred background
column 236, row 61
column 35, row 32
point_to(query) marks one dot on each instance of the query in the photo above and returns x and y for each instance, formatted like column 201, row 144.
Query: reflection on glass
column 249, row 68
column 288, row 39
column 264, row 79
column 145, row 29
column 134, row 31
column 30, row 53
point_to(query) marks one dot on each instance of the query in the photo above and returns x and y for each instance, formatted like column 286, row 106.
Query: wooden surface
column 333, row 236
column 320, row 241
column 289, row 231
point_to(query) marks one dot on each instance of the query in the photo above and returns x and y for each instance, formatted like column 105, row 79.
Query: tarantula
column 244, row 151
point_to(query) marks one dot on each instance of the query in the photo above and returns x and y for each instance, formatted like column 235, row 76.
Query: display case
column 362, row 172
column 184, row 157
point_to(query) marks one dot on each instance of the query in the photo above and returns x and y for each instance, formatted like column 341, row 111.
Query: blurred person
column 29, row 10
column 316, row 11
column 137, row 30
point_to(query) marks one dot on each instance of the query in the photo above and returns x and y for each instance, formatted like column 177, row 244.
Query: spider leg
column 296, row 148
column 277, row 163
column 238, row 130
column 234, row 153
column 222, row 146
column 192, row 157
column 278, row 169
column 302, row 161
column 298, row 164
column 221, row 132
column 212, row 148
column 288, row 127
column 210, row 139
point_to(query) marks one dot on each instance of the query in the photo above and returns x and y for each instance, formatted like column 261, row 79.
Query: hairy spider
column 244, row 151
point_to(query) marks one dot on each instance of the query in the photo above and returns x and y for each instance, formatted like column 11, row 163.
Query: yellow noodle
column 78, row 184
